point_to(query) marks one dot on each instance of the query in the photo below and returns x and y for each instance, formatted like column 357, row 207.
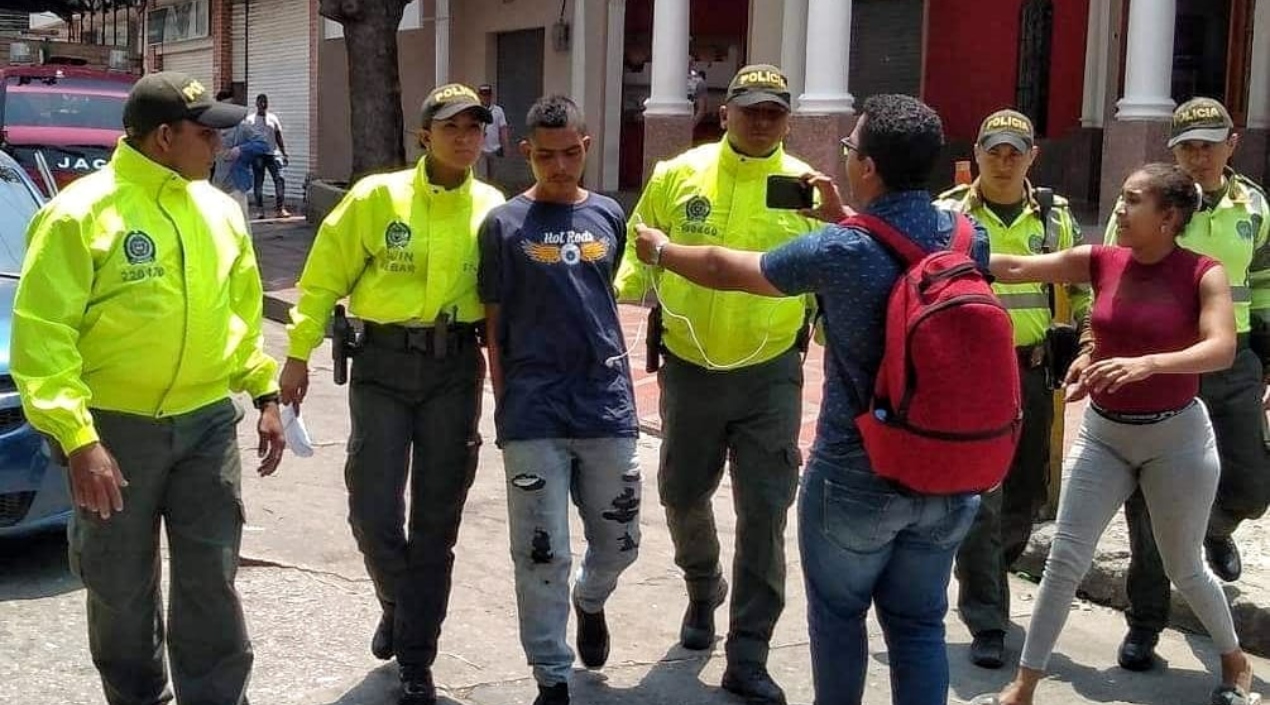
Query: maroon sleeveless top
column 1140, row 309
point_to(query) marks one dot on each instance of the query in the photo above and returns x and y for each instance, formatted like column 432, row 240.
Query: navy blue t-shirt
column 854, row 275
column 550, row 267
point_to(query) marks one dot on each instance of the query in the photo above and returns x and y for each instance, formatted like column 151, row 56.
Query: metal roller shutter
column 278, row 64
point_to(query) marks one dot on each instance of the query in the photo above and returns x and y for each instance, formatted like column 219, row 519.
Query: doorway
column 519, row 75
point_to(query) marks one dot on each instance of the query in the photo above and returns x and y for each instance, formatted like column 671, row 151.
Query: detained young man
column 565, row 407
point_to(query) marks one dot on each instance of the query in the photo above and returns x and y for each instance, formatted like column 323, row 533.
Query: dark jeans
column 1233, row 398
column 258, row 167
column 183, row 470
column 863, row 542
column 413, row 416
column 751, row 418
column 1004, row 523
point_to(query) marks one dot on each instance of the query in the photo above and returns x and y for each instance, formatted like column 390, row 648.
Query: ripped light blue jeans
column 602, row 477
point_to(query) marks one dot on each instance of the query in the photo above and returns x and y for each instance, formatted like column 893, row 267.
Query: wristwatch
column 264, row 400
column 657, row 252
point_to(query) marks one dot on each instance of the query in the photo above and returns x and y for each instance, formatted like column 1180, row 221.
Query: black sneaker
column 557, row 694
column 417, row 688
column 381, row 644
column 1223, row 558
column 1137, row 651
column 752, row 682
column 988, row 649
column 593, row 637
column 697, row 630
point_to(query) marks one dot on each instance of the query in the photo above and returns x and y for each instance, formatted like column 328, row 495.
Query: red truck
column 71, row 116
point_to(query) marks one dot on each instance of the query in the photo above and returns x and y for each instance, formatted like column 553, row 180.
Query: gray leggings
column 1175, row 463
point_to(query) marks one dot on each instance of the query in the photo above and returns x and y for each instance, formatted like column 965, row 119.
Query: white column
column 1259, row 76
column 1097, row 47
column 828, row 57
column 577, row 55
column 794, row 44
column 442, row 29
column 668, row 94
column 1148, row 75
column 614, row 57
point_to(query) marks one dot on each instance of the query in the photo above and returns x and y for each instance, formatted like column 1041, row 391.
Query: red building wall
column 972, row 62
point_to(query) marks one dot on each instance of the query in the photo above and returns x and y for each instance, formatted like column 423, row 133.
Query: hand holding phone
column 789, row 192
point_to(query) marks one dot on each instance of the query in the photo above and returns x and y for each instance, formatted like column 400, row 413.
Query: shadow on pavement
column 1113, row 684
column 35, row 567
column 674, row 680
column 380, row 687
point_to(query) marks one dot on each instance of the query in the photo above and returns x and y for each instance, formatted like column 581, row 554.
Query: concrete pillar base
column 1126, row 146
column 815, row 140
column 1251, row 155
column 664, row 137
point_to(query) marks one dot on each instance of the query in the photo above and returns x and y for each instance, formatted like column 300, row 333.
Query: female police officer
column 403, row 247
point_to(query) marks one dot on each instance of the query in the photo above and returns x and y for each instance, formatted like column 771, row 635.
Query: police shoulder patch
column 138, row 247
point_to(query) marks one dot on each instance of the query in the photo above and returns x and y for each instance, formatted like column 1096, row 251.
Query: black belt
column 423, row 339
column 1141, row 419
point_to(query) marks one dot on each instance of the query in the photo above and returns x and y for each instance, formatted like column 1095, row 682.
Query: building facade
column 249, row 47
column 1098, row 77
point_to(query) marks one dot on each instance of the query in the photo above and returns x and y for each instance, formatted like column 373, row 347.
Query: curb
column 1105, row 585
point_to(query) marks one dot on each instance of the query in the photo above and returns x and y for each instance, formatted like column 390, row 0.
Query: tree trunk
column 374, row 83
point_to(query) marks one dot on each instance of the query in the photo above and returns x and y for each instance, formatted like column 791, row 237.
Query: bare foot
column 1015, row 694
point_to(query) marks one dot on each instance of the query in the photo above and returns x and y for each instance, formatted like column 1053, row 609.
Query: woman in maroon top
column 1162, row 316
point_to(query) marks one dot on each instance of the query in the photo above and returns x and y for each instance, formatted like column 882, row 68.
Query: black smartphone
column 788, row 192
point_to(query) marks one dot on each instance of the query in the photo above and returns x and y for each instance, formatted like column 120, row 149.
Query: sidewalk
column 283, row 245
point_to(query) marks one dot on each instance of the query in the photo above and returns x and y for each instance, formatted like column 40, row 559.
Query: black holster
column 1062, row 346
column 652, row 340
column 345, row 343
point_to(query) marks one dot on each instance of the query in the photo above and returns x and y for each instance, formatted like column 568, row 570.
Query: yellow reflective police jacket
column 713, row 195
column 139, row 294
column 402, row 248
column 1027, row 302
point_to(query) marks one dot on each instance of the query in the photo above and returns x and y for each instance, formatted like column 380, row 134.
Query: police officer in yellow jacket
column 138, row 312
column 1232, row 227
column 732, row 381
column 1020, row 220
column 403, row 247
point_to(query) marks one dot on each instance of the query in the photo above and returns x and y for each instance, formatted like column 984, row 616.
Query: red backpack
column 945, row 414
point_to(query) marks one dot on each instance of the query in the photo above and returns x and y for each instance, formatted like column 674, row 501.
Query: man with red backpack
column 890, row 489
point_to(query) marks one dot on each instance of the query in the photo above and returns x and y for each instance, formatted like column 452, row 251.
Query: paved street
column 311, row 609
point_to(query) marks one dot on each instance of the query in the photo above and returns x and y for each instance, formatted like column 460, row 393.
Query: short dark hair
column 554, row 112
column 904, row 137
column 1173, row 188
column 261, row 97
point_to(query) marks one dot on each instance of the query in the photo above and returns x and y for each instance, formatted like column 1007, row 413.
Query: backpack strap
column 963, row 236
column 890, row 238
